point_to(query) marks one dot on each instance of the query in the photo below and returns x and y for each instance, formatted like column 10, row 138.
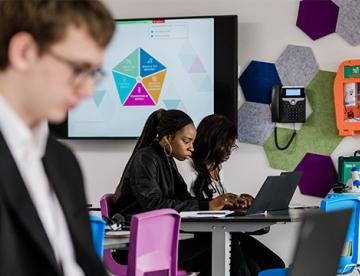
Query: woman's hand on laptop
column 225, row 201
column 248, row 199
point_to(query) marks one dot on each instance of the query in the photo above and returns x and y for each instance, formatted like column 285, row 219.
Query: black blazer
column 24, row 246
column 151, row 181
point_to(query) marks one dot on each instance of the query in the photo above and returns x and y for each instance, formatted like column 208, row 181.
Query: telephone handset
column 287, row 106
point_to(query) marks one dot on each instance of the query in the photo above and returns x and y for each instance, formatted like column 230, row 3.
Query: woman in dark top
column 215, row 140
column 151, row 181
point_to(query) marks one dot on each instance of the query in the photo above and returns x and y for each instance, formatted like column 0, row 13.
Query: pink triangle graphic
column 197, row 66
column 139, row 96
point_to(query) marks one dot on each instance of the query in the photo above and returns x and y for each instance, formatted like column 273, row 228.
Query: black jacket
column 24, row 246
column 152, row 181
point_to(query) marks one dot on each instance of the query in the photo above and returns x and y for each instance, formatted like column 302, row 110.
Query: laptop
column 320, row 244
column 275, row 194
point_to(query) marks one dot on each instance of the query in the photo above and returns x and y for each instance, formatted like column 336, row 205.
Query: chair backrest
column 154, row 243
column 110, row 263
column 350, row 257
column 105, row 205
column 98, row 232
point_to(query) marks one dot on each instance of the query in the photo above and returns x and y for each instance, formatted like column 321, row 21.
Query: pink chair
column 153, row 248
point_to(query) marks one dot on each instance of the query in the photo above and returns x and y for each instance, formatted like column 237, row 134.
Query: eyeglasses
column 233, row 147
column 230, row 148
column 81, row 72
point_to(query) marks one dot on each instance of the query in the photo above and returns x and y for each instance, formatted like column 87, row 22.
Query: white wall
column 266, row 27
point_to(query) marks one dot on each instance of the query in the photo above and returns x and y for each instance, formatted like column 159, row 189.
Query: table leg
column 220, row 255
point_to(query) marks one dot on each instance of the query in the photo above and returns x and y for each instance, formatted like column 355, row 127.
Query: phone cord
column 288, row 144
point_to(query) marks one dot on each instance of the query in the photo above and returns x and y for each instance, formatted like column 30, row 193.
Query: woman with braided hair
column 151, row 181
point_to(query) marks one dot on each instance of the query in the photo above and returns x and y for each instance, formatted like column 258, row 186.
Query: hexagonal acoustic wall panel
column 257, row 80
column 339, row 3
column 254, row 123
column 319, row 175
column 317, row 135
column 297, row 65
column 317, row 18
column 349, row 21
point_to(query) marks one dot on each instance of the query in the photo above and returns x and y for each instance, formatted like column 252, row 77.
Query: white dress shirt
column 28, row 148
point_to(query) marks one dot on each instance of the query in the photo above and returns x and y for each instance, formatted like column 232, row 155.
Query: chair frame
column 130, row 269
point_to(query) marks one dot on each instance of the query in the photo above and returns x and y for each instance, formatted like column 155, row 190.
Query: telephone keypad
column 293, row 112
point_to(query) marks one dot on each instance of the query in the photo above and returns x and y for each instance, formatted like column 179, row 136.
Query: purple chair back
column 149, row 231
column 105, row 203
column 154, row 243
column 109, row 262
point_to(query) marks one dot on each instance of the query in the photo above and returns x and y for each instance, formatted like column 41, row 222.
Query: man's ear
column 22, row 51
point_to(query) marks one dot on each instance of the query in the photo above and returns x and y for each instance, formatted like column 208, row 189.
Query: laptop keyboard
column 239, row 212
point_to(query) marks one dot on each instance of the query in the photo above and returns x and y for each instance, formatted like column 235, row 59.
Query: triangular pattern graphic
column 98, row 97
column 197, row 66
column 187, row 60
column 148, row 64
column 187, row 55
column 129, row 65
column 153, row 84
column 172, row 104
column 139, row 96
column 124, row 85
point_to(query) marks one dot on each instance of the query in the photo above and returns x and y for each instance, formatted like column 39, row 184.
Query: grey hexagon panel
column 296, row 65
column 348, row 23
column 340, row 3
column 254, row 123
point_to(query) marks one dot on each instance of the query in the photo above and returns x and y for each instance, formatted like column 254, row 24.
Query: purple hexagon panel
column 317, row 18
column 319, row 174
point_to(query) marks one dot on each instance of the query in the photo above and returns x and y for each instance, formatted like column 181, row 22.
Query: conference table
column 222, row 227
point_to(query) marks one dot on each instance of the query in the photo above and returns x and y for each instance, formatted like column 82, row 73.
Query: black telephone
column 288, row 104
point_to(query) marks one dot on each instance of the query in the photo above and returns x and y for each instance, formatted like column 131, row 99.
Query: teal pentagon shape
column 317, row 135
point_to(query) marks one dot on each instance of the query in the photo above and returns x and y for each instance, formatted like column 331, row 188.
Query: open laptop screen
column 320, row 244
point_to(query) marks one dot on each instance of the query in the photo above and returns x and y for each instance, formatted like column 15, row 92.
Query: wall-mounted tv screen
column 187, row 63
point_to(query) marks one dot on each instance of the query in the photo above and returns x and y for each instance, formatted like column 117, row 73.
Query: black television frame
column 225, row 72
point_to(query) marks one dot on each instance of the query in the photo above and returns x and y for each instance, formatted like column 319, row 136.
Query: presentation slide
column 150, row 64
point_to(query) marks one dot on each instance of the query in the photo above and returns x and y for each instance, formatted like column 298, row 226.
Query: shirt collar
column 18, row 135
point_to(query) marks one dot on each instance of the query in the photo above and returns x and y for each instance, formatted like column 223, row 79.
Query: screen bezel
column 225, row 73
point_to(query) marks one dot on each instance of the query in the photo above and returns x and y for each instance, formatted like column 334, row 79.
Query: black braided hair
column 159, row 124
